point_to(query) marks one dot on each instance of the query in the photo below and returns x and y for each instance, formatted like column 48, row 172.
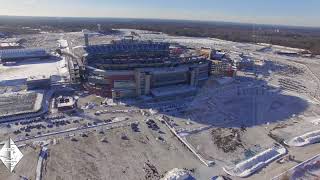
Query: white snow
column 48, row 67
column 63, row 43
column 305, row 139
column 316, row 121
column 178, row 174
column 249, row 166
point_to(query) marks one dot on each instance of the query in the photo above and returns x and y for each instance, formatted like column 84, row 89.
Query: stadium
column 130, row 68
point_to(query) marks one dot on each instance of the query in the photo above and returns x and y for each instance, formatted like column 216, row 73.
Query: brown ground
column 142, row 156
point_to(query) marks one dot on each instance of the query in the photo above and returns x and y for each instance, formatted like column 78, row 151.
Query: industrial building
column 205, row 52
column 288, row 53
column 129, row 68
column 14, row 55
column 246, row 62
column 220, row 63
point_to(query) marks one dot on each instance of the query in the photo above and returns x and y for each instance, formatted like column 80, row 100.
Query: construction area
column 144, row 105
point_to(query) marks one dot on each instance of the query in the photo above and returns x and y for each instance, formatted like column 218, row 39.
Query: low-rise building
column 38, row 82
column 65, row 103
column 223, row 68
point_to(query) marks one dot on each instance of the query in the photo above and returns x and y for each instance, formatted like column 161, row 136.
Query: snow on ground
column 178, row 174
column 204, row 111
column 25, row 69
column 316, row 121
column 63, row 43
column 193, row 41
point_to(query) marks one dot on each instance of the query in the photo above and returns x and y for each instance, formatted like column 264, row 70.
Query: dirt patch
column 229, row 140
column 290, row 70
column 151, row 172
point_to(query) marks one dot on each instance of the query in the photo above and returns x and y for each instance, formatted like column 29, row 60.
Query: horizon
column 159, row 19
column 286, row 12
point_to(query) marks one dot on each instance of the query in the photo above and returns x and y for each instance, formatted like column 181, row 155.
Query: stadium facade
column 129, row 68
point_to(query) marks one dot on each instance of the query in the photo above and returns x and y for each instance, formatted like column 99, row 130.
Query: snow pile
column 89, row 105
column 63, row 43
column 178, row 174
column 306, row 139
column 63, row 68
column 109, row 102
column 316, row 121
column 119, row 119
column 249, row 166
column 153, row 111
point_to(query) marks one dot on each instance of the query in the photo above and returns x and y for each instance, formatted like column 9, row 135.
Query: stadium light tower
column 86, row 37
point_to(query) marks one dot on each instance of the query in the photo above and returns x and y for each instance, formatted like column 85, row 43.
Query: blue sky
column 289, row 12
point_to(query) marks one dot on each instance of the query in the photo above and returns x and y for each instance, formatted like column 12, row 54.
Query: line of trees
column 298, row 37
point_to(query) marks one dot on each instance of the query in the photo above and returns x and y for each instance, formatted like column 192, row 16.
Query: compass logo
column 10, row 155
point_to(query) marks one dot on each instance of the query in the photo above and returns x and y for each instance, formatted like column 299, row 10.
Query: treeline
column 298, row 37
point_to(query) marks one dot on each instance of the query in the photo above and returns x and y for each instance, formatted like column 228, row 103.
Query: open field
column 117, row 158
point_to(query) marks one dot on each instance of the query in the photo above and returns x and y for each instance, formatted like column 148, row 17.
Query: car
column 107, row 120
column 135, row 127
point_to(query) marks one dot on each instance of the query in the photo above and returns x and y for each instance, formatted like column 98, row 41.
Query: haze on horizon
column 284, row 12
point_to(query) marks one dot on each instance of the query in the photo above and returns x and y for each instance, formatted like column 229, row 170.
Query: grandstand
column 13, row 55
column 123, row 49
